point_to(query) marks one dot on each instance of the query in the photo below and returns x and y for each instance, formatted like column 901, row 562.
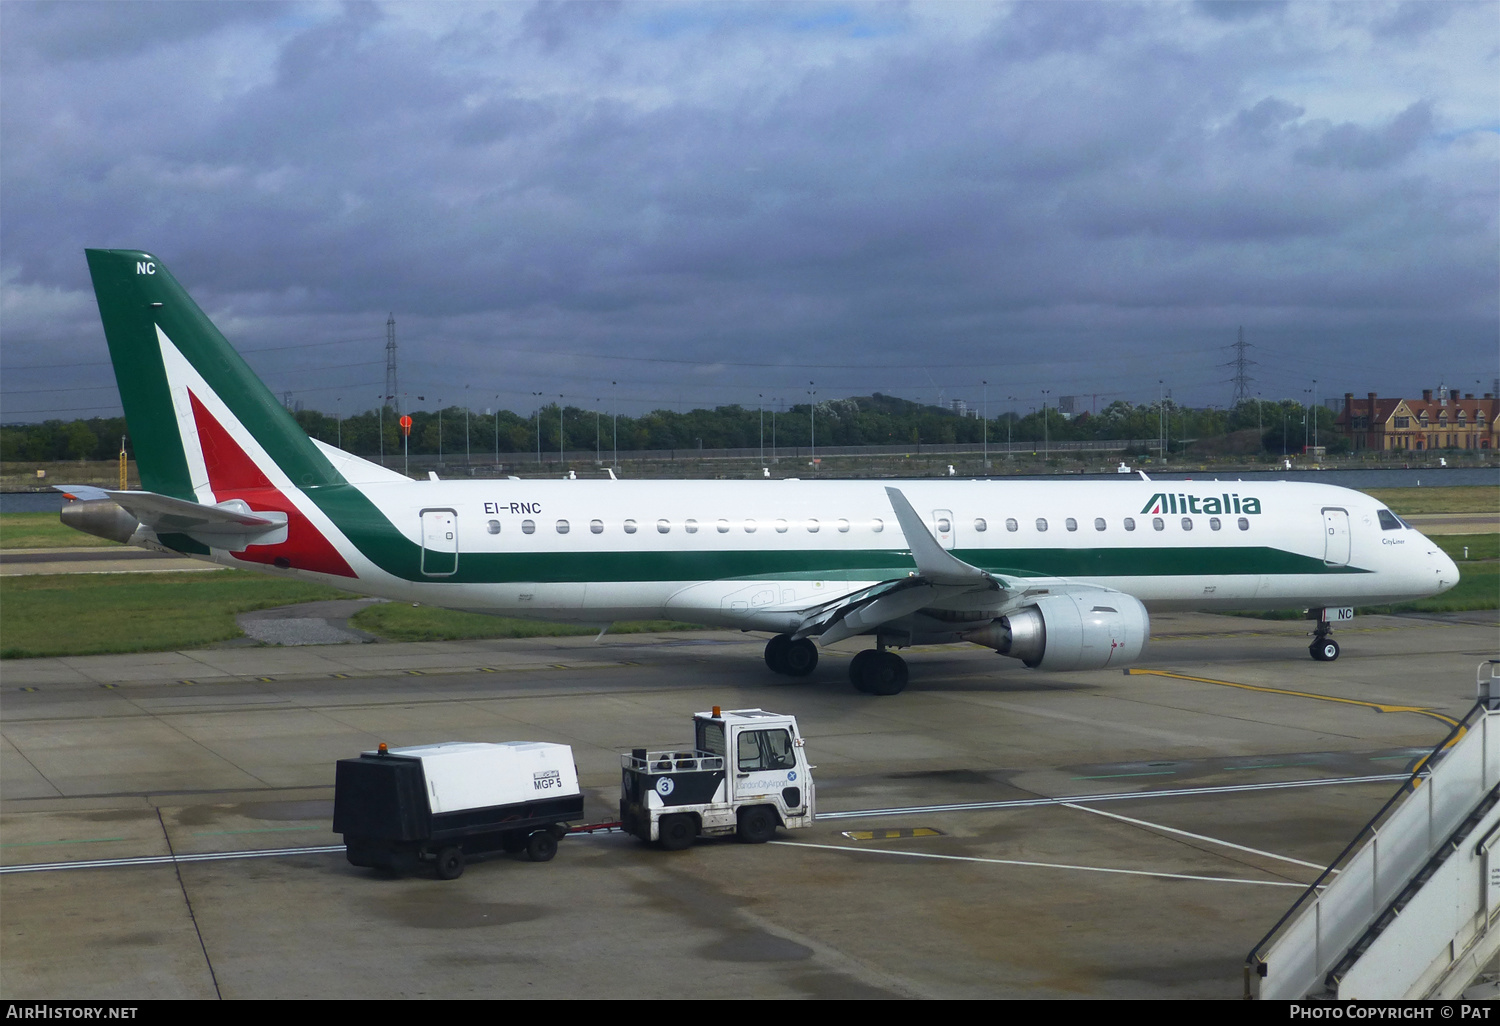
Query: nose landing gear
column 1323, row 648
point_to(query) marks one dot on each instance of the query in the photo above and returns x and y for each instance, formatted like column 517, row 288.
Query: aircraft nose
column 1445, row 568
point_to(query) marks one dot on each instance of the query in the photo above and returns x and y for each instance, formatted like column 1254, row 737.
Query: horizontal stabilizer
column 231, row 525
column 82, row 493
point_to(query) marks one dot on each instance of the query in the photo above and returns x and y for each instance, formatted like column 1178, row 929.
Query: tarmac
column 990, row 832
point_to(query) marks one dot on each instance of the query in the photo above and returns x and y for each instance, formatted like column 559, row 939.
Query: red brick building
column 1443, row 420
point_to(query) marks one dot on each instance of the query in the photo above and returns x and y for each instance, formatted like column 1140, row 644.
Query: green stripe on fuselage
column 374, row 536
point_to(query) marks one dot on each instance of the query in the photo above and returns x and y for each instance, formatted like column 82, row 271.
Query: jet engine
column 1081, row 630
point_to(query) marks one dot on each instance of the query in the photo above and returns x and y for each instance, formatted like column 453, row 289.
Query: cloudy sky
column 673, row 205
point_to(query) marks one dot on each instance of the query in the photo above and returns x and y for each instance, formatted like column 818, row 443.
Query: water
column 1428, row 477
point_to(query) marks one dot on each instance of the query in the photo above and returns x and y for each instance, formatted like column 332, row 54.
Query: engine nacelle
column 1083, row 630
column 102, row 518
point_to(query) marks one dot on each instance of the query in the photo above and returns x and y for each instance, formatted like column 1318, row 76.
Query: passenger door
column 1336, row 537
column 439, row 542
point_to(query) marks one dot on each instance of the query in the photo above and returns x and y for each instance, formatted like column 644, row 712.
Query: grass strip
column 94, row 614
column 45, row 531
column 1457, row 499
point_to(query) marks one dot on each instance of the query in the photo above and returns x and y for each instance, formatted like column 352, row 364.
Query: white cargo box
column 476, row 775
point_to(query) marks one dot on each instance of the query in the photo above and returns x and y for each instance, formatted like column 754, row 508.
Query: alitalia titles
column 1181, row 502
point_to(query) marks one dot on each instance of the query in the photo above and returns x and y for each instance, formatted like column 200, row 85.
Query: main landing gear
column 873, row 671
column 877, row 672
column 792, row 658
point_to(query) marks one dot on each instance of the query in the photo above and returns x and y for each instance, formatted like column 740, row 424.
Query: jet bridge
column 1411, row 909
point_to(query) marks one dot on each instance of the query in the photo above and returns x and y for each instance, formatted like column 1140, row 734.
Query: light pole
column 616, row 417
column 598, row 452
column 1046, row 438
column 1315, row 414
column 812, row 409
column 440, row 431
column 560, row 435
column 497, row 429
column 538, row 396
column 338, row 419
column 762, row 399
column 986, row 424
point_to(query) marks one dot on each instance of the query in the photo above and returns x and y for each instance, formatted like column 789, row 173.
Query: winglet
column 934, row 562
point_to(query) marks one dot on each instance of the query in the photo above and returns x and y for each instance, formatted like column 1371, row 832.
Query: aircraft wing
column 940, row 575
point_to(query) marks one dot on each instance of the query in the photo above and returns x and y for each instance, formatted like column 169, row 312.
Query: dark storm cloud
column 1355, row 146
column 1052, row 194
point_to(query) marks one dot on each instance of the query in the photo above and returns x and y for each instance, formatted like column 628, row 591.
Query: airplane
column 1057, row 574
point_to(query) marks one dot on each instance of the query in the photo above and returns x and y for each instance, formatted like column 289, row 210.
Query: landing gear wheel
column 677, row 831
column 801, row 658
column 541, row 846
column 776, row 652
column 450, row 863
column 1324, row 650
column 757, row 824
column 882, row 673
column 859, row 667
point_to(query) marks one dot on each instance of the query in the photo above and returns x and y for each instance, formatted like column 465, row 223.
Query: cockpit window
column 1389, row 521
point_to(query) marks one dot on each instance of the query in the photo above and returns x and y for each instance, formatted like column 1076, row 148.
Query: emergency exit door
column 942, row 527
column 439, row 542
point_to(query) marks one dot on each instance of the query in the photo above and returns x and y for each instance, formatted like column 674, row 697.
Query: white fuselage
column 752, row 553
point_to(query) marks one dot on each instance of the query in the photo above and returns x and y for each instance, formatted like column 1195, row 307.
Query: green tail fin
column 146, row 315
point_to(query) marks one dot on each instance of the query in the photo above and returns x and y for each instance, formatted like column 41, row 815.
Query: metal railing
column 1295, row 957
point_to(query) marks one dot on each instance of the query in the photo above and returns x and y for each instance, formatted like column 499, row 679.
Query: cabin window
column 1070, row 524
column 562, row 527
column 812, row 526
column 1244, row 523
column 843, row 527
column 663, row 526
column 1187, row 523
column 690, row 526
column 1099, row 523
column 1011, row 525
column 944, row 525
column 1041, row 524
column 1130, row 523
column 528, row 527
column 781, row 527
column 980, row 525
column 877, row 526
column 749, row 526
column 1214, row 523
column 596, row 526
column 722, row 526
column 494, row 527
column 630, row 527
column 1158, row 524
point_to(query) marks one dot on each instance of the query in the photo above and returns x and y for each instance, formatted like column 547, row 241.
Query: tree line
column 867, row 420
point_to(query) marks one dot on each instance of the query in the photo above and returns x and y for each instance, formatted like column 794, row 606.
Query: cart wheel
column 541, row 846
column 450, row 863
column 677, row 831
column 757, row 824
